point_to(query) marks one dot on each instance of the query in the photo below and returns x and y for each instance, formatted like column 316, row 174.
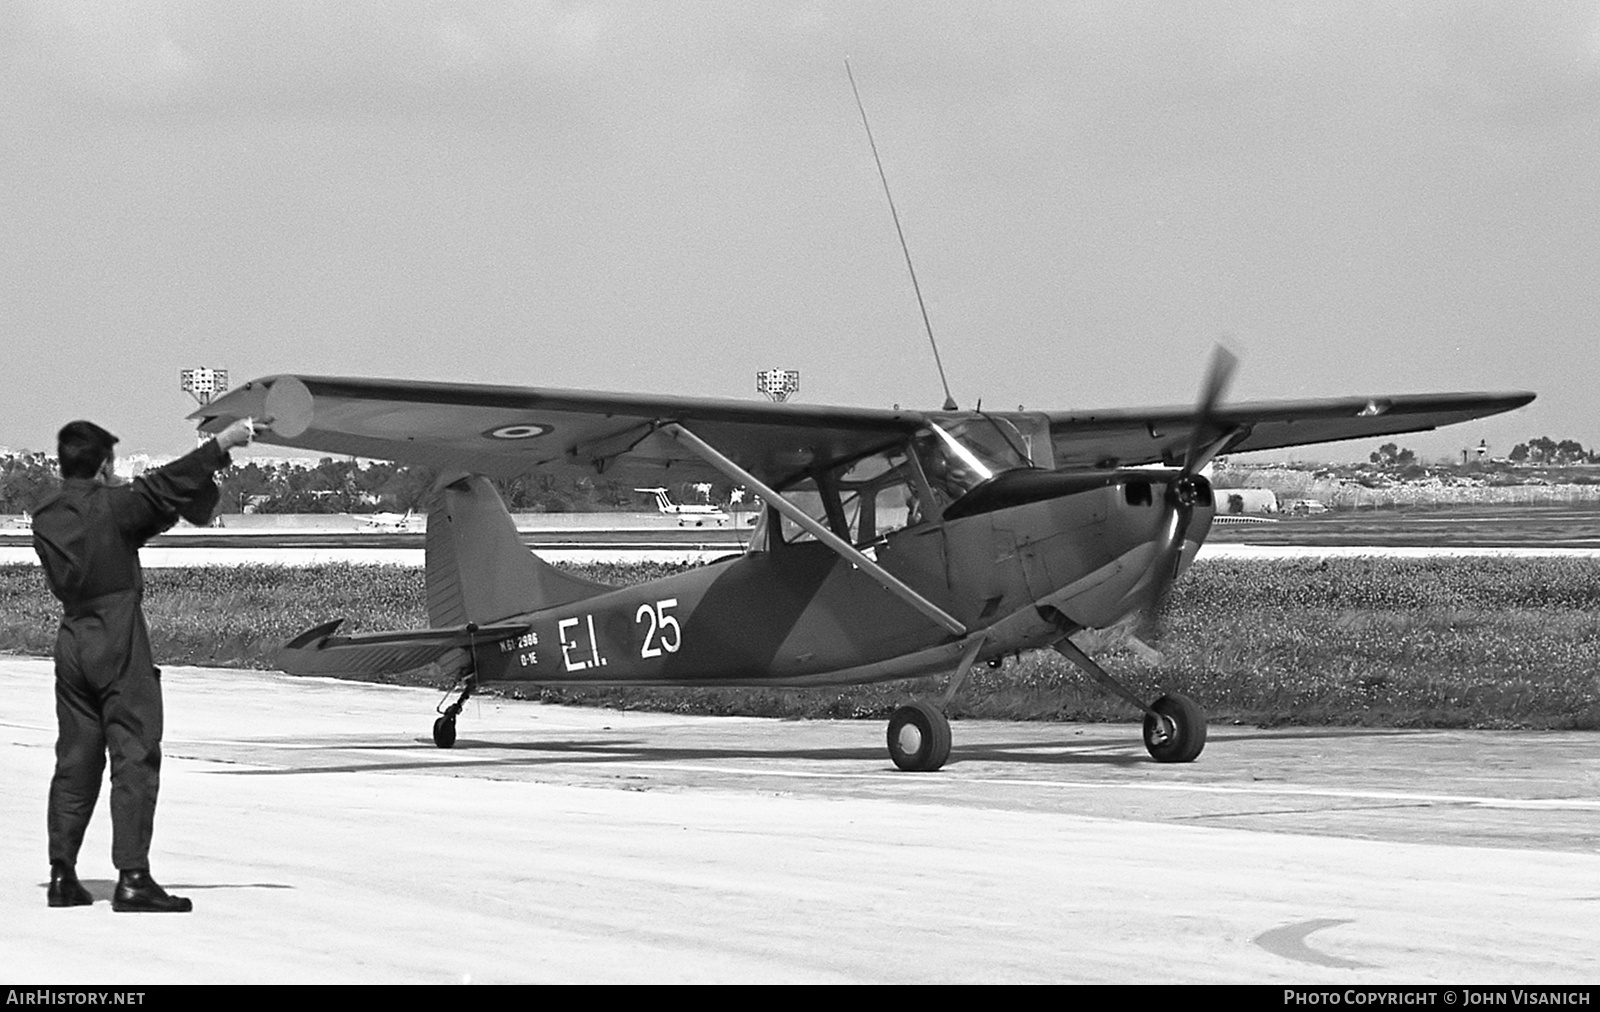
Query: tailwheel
column 1174, row 729
column 444, row 731
column 919, row 737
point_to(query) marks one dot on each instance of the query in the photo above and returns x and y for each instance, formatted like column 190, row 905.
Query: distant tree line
column 343, row 485
column 1391, row 455
column 1541, row 451
column 1545, row 450
column 25, row 480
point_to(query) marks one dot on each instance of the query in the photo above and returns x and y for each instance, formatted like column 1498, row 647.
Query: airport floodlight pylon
column 778, row 384
column 203, row 384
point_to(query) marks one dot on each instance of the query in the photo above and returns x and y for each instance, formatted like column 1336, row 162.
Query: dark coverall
column 108, row 690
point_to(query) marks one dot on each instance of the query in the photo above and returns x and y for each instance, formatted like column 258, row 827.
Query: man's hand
column 238, row 434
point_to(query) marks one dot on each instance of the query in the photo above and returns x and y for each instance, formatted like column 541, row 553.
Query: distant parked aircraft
column 697, row 513
column 398, row 522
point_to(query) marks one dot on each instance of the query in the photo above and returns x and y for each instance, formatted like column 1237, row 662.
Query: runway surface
column 324, row 838
column 1573, row 528
column 581, row 538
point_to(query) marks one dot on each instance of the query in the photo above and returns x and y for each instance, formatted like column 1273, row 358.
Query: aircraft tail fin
column 479, row 571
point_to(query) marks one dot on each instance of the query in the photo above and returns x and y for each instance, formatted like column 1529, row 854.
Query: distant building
column 1245, row 500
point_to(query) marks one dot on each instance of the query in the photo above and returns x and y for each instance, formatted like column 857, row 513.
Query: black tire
column 1188, row 735
column 444, row 732
column 919, row 738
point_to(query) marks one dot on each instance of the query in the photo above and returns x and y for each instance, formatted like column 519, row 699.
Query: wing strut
column 843, row 548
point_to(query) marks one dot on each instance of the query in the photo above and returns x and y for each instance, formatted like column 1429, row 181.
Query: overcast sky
column 1370, row 198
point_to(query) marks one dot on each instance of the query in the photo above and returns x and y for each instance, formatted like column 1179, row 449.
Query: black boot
column 137, row 892
column 65, row 889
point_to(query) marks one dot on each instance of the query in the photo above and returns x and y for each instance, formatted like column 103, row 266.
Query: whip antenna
column 949, row 402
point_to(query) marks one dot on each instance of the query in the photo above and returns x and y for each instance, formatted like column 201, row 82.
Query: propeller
column 1188, row 487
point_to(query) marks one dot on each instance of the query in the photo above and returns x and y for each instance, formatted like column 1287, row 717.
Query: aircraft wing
column 504, row 431
column 1162, row 435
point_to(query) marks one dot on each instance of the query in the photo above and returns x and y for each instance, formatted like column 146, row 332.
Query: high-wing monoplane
column 893, row 543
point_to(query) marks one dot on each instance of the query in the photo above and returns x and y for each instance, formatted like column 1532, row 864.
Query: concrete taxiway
column 324, row 838
column 584, row 538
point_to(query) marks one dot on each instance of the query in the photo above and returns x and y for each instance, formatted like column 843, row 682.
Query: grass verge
column 1477, row 642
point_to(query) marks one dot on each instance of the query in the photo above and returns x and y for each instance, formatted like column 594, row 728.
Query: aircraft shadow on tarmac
column 1310, row 734
column 1080, row 751
column 1115, row 748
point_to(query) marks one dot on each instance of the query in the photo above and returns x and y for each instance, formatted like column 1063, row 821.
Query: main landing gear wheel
column 1179, row 732
column 444, row 731
column 919, row 737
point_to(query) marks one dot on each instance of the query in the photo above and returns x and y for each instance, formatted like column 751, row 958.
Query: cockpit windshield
column 958, row 455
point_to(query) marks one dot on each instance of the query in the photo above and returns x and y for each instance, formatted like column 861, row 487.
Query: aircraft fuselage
column 799, row 614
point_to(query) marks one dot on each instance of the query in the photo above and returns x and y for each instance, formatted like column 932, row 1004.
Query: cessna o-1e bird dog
column 893, row 544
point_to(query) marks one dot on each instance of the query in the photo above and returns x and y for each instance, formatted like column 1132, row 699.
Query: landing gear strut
column 444, row 729
column 1174, row 725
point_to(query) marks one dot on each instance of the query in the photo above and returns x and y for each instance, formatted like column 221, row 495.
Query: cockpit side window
column 867, row 501
column 809, row 498
column 911, row 484
column 881, row 487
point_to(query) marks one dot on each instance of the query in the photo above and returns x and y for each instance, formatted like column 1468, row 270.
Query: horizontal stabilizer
column 319, row 652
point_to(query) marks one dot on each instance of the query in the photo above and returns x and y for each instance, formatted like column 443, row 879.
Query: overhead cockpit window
column 958, row 455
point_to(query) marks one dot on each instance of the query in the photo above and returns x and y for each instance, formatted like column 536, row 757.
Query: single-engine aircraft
column 894, row 543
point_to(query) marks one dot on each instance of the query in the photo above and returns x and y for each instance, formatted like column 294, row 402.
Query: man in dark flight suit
column 108, row 690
